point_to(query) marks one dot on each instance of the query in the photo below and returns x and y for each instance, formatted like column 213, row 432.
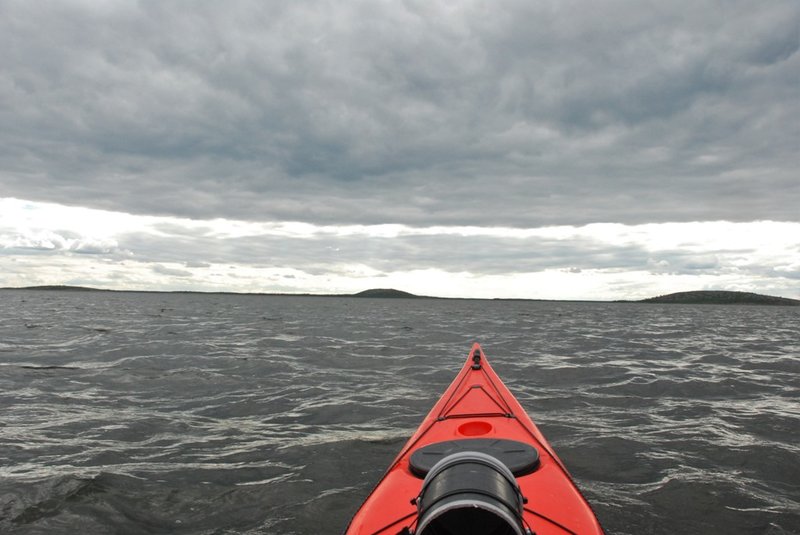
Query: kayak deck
column 477, row 405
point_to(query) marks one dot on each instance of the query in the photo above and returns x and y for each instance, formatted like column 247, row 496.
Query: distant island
column 721, row 298
column 386, row 292
column 61, row 288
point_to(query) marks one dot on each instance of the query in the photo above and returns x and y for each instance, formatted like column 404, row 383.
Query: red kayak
column 476, row 465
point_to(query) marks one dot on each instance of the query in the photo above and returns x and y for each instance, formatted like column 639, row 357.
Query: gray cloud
column 506, row 113
column 172, row 272
column 484, row 255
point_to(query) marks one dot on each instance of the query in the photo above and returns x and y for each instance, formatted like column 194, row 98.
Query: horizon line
column 683, row 297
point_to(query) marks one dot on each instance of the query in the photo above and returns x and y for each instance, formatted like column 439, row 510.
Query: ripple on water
column 247, row 414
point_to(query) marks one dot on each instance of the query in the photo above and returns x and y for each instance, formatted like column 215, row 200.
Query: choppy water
column 215, row 414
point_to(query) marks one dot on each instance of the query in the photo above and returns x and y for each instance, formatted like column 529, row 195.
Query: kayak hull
column 477, row 406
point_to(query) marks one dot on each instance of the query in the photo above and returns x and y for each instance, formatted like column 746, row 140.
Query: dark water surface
column 223, row 414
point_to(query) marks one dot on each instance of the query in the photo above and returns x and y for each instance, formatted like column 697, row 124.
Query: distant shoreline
column 703, row 297
column 373, row 293
column 722, row 298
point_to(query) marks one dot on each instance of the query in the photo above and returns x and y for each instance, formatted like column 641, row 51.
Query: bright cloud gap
column 46, row 243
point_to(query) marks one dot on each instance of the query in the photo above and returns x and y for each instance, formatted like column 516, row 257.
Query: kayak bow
column 476, row 465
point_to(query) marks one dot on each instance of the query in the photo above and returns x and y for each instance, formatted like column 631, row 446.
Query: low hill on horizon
column 61, row 287
column 711, row 297
column 386, row 292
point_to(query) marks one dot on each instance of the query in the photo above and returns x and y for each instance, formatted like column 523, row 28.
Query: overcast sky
column 598, row 150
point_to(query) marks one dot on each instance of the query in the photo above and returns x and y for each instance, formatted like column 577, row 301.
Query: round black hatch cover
column 519, row 457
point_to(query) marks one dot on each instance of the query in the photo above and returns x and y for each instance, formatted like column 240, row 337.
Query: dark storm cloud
column 487, row 113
